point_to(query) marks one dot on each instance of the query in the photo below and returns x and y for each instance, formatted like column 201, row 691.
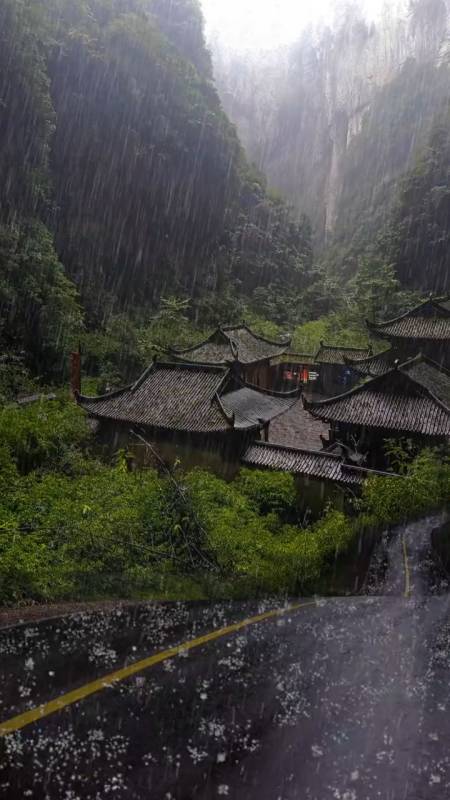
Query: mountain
column 120, row 168
column 338, row 118
column 417, row 239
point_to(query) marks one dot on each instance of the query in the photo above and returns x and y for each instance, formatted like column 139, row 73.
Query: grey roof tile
column 171, row 396
column 191, row 398
column 309, row 463
column 230, row 343
column 250, row 406
column 430, row 320
column 334, row 354
column 407, row 400
column 374, row 365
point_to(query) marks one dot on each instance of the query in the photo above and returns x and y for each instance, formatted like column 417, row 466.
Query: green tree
column 39, row 305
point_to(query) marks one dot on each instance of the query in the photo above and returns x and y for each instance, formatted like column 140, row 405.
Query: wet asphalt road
column 348, row 699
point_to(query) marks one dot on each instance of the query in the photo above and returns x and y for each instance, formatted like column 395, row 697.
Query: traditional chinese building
column 375, row 364
column 335, row 374
column 291, row 370
column 412, row 401
column 236, row 344
column 201, row 415
column 424, row 329
column 327, row 372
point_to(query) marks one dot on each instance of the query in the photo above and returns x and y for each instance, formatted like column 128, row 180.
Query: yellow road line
column 407, row 572
column 46, row 709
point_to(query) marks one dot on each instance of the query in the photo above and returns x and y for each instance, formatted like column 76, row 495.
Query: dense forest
column 122, row 178
column 340, row 118
column 129, row 208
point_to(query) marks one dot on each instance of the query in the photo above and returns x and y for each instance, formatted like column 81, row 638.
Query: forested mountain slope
column 337, row 119
column 118, row 162
column 417, row 240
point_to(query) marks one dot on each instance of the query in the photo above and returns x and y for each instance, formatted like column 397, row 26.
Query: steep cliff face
column 121, row 177
column 329, row 106
column 112, row 104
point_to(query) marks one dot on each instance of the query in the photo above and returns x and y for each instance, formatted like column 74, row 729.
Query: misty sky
column 255, row 24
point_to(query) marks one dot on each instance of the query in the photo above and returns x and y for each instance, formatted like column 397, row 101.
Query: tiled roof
column 310, row 463
column 297, row 428
column 293, row 358
column 250, row 406
column 433, row 378
column 231, row 343
column 374, row 365
column 407, row 400
column 429, row 320
column 171, row 396
column 192, row 398
column 330, row 354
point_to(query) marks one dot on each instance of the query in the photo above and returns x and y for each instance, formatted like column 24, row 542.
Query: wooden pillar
column 75, row 373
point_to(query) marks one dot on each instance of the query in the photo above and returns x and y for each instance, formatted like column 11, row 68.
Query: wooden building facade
column 335, row 373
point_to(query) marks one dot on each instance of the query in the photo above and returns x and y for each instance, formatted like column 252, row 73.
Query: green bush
column 63, row 536
column 46, row 433
column 269, row 492
column 425, row 486
column 261, row 553
column 40, row 309
column 97, row 530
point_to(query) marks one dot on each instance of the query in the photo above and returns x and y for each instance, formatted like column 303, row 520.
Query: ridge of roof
column 168, row 396
column 108, row 396
column 423, row 359
column 182, row 350
column 195, row 366
column 299, row 355
column 230, row 418
column 280, row 343
column 330, row 354
column 224, row 330
column 324, row 346
column 254, row 407
column 339, row 470
column 434, row 301
column 132, row 387
column 309, row 404
column 363, row 361
column 302, row 450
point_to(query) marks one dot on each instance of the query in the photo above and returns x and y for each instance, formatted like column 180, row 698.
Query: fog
column 267, row 24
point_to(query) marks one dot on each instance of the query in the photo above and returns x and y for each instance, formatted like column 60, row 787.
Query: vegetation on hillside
column 118, row 163
column 72, row 526
column 417, row 239
column 130, row 220
column 339, row 118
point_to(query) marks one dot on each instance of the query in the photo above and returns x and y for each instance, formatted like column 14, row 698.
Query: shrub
column 261, row 555
column 425, row 486
column 103, row 531
column 43, row 434
column 269, row 491
column 63, row 536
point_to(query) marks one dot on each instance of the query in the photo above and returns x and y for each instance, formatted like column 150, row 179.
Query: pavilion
column 236, row 345
column 199, row 414
column 411, row 400
column 424, row 329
